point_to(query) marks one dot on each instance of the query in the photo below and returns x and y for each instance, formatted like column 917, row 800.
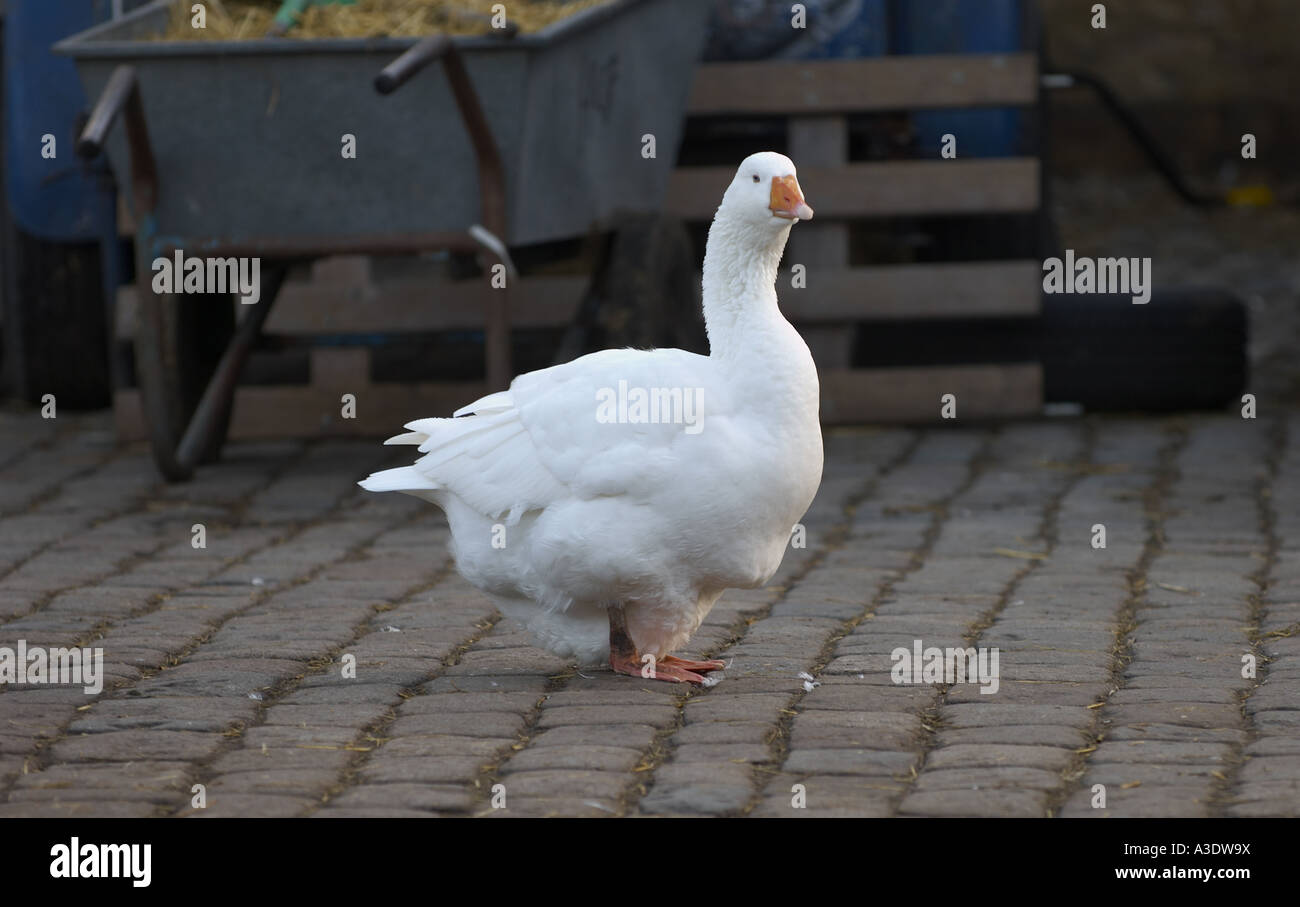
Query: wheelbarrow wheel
column 179, row 341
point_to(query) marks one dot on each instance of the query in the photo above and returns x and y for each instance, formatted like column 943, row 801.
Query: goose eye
column 755, row 177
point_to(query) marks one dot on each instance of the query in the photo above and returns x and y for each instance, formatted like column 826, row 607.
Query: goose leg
column 624, row 658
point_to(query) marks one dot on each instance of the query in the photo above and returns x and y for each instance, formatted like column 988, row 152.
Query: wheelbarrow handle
column 420, row 55
column 112, row 101
column 121, row 96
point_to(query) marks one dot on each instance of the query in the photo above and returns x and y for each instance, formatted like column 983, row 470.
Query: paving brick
column 463, row 724
column 421, row 769
column 126, row 746
column 1162, row 752
column 598, row 758
column 850, row 762
column 547, row 807
column 279, row 781
column 966, row 755
column 259, row 806
column 550, row 783
column 984, row 803
column 450, row 798
column 621, row 735
column 699, row 788
column 985, row 778
column 1037, row 735
column 564, row 716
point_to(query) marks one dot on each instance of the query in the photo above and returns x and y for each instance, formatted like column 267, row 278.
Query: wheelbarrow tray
column 248, row 135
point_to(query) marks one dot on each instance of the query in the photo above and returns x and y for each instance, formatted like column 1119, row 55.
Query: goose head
column 765, row 193
column 746, row 241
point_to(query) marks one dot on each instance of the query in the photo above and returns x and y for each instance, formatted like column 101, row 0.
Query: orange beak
column 787, row 200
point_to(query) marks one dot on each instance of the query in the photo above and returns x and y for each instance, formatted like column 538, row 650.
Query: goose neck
column 739, row 292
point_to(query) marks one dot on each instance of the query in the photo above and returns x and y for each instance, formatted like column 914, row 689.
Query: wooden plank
column 345, row 368
column 851, row 396
column 303, row 411
column 1010, row 289
column 904, row 82
column 879, row 189
column 409, row 304
column 833, row 295
column 351, row 271
column 422, row 303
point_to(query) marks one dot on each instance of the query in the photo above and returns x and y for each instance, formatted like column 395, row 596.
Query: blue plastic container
column 962, row 27
column 761, row 29
column 851, row 29
column 59, row 199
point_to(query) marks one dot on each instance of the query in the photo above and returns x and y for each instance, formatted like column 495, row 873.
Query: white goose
column 606, row 503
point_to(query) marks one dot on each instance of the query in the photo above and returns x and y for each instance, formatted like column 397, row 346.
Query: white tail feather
column 403, row 478
column 492, row 403
column 411, row 437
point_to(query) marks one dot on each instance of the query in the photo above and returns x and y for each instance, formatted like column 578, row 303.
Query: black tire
column 1185, row 349
column 643, row 293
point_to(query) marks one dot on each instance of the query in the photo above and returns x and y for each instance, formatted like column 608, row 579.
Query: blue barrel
column 58, row 214
column 962, row 27
column 849, row 29
column 762, row 29
column 60, row 199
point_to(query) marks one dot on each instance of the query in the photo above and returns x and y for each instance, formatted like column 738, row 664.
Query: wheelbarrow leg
column 213, row 412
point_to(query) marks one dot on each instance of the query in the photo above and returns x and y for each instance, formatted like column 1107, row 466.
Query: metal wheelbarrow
column 233, row 150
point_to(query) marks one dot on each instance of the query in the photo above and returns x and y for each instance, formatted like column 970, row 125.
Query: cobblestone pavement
column 1119, row 666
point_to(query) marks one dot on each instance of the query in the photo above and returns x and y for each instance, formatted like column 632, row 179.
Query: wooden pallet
column 817, row 97
column 341, row 296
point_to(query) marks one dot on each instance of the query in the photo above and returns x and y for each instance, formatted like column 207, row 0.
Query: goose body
column 606, row 503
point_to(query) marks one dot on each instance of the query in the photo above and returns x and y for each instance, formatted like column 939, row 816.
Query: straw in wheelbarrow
column 235, row 20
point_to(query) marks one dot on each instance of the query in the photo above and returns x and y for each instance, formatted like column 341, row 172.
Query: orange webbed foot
column 625, row 659
column 699, row 667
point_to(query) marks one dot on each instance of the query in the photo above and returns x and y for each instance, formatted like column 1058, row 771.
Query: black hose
column 1147, row 142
